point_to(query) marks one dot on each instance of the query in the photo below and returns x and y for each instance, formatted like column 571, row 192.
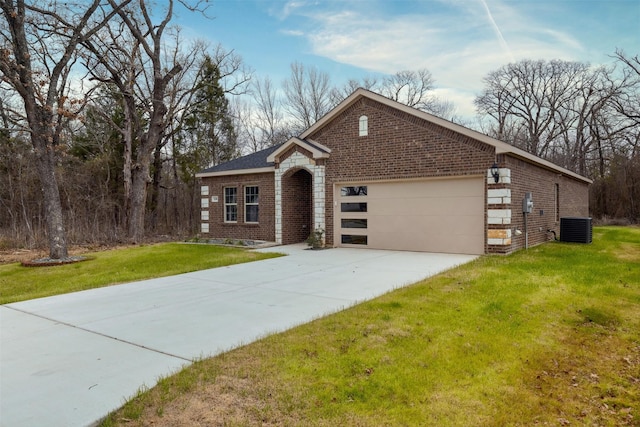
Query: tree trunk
column 51, row 196
column 140, row 177
column 128, row 136
column 155, row 187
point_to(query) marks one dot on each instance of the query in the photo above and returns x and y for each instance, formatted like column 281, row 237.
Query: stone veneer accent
column 204, row 204
column 499, row 209
column 298, row 160
column 499, row 237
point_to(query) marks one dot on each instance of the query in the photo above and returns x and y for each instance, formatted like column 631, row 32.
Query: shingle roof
column 250, row 161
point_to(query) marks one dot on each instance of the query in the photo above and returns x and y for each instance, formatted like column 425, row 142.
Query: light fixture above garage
column 495, row 172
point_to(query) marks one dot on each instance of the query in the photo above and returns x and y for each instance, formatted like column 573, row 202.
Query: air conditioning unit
column 576, row 230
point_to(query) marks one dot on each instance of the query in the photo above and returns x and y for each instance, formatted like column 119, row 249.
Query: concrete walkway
column 68, row 360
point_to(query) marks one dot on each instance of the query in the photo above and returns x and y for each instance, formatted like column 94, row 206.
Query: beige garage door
column 438, row 215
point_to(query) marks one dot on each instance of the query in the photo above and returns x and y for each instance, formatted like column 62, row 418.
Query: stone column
column 499, row 211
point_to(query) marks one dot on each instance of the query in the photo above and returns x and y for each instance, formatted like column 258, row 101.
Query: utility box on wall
column 527, row 203
column 576, row 230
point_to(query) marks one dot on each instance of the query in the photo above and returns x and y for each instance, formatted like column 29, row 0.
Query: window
column 353, row 207
column 230, row 204
column 350, row 239
column 363, row 126
column 251, row 204
column 353, row 223
column 204, row 215
column 204, row 227
column 204, row 190
column 353, row 191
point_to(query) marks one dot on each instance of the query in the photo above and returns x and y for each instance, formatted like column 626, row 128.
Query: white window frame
column 228, row 203
column 363, row 126
column 252, row 203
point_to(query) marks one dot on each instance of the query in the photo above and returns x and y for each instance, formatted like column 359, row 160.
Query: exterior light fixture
column 495, row 172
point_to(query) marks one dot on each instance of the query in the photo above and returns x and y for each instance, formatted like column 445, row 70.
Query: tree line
column 107, row 114
column 584, row 118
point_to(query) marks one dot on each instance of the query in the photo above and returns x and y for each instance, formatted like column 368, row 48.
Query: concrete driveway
column 69, row 360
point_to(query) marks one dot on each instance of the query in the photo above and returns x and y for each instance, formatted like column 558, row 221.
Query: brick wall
column 296, row 206
column 545, row 185
column 264, row 230
column 398, row 146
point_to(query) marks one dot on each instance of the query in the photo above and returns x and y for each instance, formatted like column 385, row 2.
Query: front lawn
column 547, row 336
column 18, row 283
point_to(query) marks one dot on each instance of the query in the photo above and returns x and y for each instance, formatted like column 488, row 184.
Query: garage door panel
column 432, row 225
column 427, row 206
column 444, row 215
column 421, row 242
column 435, row 188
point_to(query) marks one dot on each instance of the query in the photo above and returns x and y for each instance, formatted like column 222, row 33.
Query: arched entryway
column 297, row 205
column 299, row 190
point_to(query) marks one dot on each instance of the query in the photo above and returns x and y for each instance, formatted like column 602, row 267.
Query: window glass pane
column 350, row 239
column 231, row 204
column 353, row 207
column 354, row 223
column 231, row 213
column 231, row 195
column 252, row 213
column 353, row 191
column 363, row 126
column 251, row 204
column 251, row 194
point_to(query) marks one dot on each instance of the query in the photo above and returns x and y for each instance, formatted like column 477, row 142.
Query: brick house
column 378, row 174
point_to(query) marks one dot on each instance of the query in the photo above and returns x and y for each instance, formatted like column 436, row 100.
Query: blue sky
column 459, row 41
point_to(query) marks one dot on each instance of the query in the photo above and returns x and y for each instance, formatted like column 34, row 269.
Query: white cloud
column 295, row 33
column 291, row 7
column 459, row 43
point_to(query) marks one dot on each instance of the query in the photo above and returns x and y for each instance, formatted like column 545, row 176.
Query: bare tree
column 338, row 94
column 586, row 121
column 262, row 122
column 628, row 103
column 409, row 87
column 528, row 95
column 307, row 95
column 235, row 75
column 37, row 53
column 412, row 88
column 114, row 58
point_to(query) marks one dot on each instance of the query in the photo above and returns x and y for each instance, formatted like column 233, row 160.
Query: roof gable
column 317, row 150
column 500, row 146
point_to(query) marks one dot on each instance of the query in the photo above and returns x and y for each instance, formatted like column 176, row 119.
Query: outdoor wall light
column 495, row 172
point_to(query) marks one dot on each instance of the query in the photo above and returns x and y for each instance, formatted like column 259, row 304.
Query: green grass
column 18, row 283
column 547, row 336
